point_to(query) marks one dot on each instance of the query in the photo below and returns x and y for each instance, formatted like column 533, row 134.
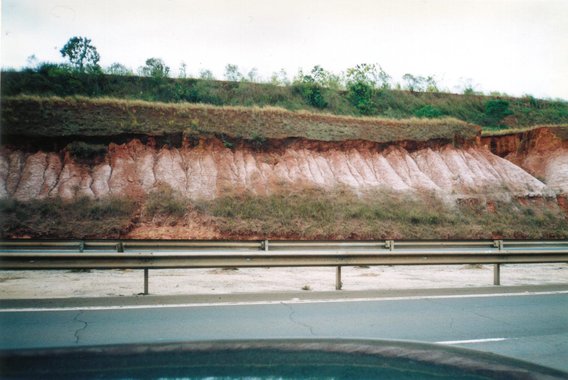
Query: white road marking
column 290, row 302
column 472, row 341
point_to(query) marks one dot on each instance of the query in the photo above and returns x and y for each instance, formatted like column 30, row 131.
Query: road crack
column 294, row 320
column 78, row 331
column 493, row 319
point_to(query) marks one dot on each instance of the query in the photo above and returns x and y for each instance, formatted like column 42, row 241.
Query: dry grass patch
column 95, row 117
column 56, row 218
column 560, row 130
column 315, row 214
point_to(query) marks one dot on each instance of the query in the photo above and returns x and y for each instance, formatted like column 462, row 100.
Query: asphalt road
column 525, row 324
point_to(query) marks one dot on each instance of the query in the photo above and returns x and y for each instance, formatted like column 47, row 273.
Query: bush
column 428, row 111
column 361, row 94
column 312, row 93
column 495, row 111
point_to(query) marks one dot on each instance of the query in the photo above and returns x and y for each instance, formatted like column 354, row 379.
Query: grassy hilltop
column 489, row 112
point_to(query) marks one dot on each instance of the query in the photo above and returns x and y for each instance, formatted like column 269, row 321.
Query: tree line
column 365, row 89
column 84, row 57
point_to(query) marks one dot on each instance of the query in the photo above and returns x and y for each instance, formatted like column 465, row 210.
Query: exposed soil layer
column 207, row 168
column 542, row 152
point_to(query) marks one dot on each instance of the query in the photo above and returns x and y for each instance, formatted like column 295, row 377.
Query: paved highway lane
column 529, row 326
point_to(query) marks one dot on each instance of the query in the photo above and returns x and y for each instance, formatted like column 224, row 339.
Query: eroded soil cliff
column 209, row 169
column 542, row 152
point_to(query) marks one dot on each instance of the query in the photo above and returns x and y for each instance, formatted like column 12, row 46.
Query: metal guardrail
column 156, row 254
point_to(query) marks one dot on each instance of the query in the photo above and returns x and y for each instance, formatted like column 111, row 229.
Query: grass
column 78, row 219
column 33, row 116
column 342, row 215
column 165, row 203
column 560, row 130
column 526, row 111
column 311, row 214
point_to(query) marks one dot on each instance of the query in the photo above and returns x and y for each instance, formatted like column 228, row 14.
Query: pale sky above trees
column 513, row 46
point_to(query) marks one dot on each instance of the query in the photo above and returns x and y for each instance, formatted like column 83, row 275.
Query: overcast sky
column 513, row 46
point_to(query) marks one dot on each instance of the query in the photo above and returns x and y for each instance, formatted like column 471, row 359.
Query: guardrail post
column 338, row 283
column 496, row 274
column 119, row 247
column 146, row 275
column 266, row 245
column 497, row 267
column 82, row 246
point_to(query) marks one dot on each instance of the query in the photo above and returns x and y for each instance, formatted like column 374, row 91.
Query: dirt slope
column 543, row 152
column 209, row 169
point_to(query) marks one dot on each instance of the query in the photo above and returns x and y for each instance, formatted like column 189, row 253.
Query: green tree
column 206, row 74
column 310, row 89
column 363, row 81
column 370, row 74
column 155, row 68
column 413, row 83
column 182, row 70
column 319, row 75
column 232, row 73
column 32, row 61
column 280, row 78
column 118, row 69
column 467, row 87
column 420, row 83
column 82, row 55
column 253, row 76
column 430, row 84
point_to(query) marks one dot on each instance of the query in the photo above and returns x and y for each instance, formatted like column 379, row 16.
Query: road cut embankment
column 208, row 169
column 542, row 152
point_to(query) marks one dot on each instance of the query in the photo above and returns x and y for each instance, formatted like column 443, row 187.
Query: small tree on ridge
column 82, row 55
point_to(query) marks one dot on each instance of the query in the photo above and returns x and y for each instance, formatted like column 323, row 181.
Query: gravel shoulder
column 123, row 283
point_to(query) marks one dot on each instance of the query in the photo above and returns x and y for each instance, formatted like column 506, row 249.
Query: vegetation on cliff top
column 34, row 116
column 357, row 94
column 560, row 130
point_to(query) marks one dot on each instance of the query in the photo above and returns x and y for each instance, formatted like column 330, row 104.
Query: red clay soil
column 209, row 169
column 541, row 152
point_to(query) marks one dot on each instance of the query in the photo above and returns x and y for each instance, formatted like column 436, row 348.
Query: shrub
column 428, row 111
column 312, row 93
column 361, row 94
column 495, row 111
